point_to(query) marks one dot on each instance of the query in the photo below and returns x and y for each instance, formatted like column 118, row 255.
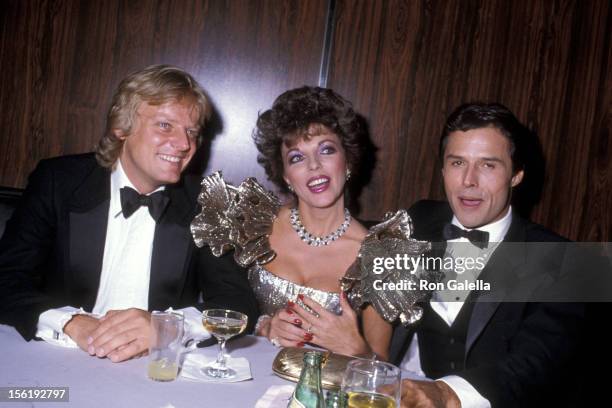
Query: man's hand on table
column 428, row 394
column 80, row 327
column 121, row 335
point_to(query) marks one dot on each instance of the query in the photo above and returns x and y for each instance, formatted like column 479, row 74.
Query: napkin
column 194, row 362
column 193, row 323
column 277, row 396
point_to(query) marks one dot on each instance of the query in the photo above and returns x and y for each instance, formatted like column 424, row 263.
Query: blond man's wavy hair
column 156, row 85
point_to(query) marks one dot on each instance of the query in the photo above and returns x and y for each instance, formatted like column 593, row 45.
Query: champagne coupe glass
column 371, row 384
column 223, row 324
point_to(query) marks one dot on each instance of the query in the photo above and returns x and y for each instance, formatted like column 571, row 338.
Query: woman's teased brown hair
column 295, row 114
column 156, row 85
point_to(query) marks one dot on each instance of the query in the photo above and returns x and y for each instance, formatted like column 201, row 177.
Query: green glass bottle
column 336, row 399
column 308, row 391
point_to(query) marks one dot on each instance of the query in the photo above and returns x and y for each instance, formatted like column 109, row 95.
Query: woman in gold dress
column 310, row 143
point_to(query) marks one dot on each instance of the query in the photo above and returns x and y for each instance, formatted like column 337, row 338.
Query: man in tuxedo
column 99, row 241
column 482, row 349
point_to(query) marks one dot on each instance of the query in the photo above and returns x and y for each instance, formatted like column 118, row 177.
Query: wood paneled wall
column 62, row 60
column 408, row 64
column 404, row 64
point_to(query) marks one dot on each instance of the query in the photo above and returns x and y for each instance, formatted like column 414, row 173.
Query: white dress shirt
column 448, row 311
column 126, row 265
column 126, row 268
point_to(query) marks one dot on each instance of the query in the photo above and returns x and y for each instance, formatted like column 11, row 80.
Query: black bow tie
column 476, row 237
column 131, row 201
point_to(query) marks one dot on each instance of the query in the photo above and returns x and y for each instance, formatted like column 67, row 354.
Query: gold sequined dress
column 273, row 292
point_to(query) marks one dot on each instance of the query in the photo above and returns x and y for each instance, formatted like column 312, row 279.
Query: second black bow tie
column 476, row 237
column 131, row 201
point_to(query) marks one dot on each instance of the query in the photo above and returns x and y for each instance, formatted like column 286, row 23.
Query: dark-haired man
column 100, row 241
column 487, row 352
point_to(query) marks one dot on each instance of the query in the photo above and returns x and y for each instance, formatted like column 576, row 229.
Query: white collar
column 497, row 230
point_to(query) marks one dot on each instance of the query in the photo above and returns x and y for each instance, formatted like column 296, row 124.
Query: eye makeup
column 294, row 156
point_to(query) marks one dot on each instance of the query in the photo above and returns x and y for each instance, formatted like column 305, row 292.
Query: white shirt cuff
column 51, row 324
column 467, row 394
column 194, row 329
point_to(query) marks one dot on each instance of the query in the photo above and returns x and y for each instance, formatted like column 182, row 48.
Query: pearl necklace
column 313, row 240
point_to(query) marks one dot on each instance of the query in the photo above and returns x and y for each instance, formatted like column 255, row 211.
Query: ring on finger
column 309, row 330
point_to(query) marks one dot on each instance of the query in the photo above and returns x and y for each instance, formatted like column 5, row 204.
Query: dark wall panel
column 407, row 64
column 62, row 60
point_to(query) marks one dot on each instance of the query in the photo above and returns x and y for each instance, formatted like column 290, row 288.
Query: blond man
column 100, row 240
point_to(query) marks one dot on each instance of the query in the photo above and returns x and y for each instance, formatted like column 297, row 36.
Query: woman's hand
column 339, row 334
column 285, row 328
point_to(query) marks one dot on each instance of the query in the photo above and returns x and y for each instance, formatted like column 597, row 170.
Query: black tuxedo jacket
column 516, row 353
column 51, row 253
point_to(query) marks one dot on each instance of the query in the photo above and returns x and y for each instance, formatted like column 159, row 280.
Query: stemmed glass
column 371, row 383
column 223, row 324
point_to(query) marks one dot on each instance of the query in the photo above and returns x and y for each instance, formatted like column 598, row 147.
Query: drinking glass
column 223, row 324
column 371, row 384
column 165, row 346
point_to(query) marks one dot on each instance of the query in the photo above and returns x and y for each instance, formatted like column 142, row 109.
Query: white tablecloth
column 95, row 382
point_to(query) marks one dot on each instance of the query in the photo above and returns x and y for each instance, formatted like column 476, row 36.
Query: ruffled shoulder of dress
column 386, row 258
column 238, row 218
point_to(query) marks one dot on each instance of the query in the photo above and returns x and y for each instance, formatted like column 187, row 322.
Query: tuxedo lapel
column 171, row 248
column 502, row 272
column 400, row 341
column 87, row 223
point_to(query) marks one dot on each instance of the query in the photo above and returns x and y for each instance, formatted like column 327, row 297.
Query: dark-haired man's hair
column 482, row 115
